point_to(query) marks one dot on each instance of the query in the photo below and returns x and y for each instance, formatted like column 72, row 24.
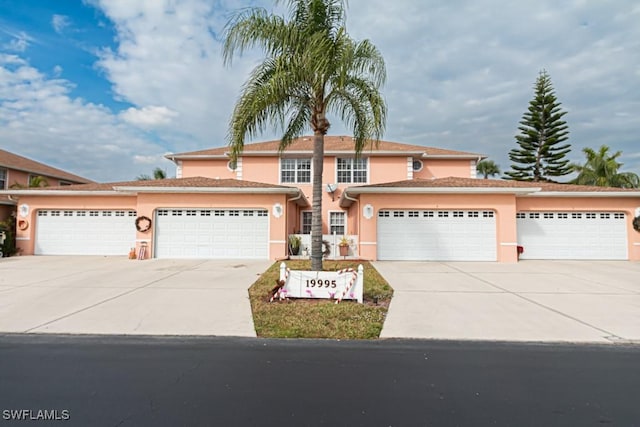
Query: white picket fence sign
column 337, row 285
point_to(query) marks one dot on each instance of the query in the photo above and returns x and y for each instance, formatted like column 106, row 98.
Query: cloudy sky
column 105, row 88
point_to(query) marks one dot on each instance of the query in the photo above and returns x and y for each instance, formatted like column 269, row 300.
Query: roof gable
column 14, row 161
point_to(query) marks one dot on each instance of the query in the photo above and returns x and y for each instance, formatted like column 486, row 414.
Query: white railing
column 333, row 242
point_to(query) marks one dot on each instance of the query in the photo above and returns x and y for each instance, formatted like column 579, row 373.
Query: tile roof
column 192, row 182
column 331, row 143
column 5, row 200
column 14, row 161
column 455, row 182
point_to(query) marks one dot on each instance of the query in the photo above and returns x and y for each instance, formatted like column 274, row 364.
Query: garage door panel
column 212, row 233
column 573, row 235
column 79, row 232
column 436, row 235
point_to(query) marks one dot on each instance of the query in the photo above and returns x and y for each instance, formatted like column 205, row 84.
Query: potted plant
column 344, row 246
column 294, row 244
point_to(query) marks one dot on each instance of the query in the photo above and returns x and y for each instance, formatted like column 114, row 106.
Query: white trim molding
column 368, row 243
column 508, row 244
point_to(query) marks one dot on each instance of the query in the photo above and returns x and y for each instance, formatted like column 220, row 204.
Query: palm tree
column 601, row 170
column 158, row 173
column 35, row 181
column 311, row 67
column 487, row 168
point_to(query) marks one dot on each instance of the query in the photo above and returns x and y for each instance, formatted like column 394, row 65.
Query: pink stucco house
column 395, row 202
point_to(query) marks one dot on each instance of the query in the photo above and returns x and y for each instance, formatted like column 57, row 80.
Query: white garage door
column 572, row 235
column 85, row 232
column 212, row 233
column 437, row 235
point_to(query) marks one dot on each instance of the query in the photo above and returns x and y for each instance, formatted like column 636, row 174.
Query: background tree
column 35, row 181
column 542, row 154
column 158, row 173
column 602, row 169
column 487, row 168
column 312, row 67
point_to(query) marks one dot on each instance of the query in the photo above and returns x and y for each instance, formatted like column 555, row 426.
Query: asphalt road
column 133, row 381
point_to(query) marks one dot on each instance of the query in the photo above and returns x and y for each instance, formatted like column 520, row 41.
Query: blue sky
column 105, row 88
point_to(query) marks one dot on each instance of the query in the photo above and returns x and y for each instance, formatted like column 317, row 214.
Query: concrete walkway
column 114, row 295
column 545, row 301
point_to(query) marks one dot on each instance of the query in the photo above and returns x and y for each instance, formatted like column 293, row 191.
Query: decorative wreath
column 326, row 248
column 636, row 223
column 143, row 224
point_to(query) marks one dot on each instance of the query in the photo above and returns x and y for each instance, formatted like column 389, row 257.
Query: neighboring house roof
column 13, row 161
column 332, row 145
column 486, row 186
column 5, row 200
column 170, row 185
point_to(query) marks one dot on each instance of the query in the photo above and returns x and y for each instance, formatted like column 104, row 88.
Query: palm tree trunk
column 316, row 213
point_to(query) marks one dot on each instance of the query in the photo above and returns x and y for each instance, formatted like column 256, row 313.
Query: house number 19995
column 312, row 283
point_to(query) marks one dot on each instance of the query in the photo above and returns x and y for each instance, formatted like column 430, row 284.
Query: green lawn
column 316, row 318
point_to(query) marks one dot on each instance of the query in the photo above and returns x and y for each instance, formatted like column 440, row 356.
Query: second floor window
column 3, row 179
column 351, row 171
column 296, row 171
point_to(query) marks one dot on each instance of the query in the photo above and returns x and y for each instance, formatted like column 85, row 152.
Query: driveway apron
column 539, row 301
column 115, row 295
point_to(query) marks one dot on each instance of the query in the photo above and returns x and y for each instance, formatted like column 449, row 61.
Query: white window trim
column 358, row 183
column 302, row 221
column 6, row 178
column 344, row 216
column 296, row 181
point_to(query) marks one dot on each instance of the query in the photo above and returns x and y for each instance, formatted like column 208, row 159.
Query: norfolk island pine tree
column 311, row 67
column 542, row 154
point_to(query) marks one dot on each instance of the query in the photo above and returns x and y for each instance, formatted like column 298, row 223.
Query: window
column 336, row 223
column 417, row 165
column 296, row 171
column 306, row 222
column 3, row 179
column 352, row 170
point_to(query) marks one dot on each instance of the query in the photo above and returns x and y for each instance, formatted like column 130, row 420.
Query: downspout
column 357, row 202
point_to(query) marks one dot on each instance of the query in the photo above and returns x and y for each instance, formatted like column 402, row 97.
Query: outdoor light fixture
column 331, row 189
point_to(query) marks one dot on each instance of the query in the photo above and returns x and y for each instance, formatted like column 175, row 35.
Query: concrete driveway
column 548, row 301
column 115, row 295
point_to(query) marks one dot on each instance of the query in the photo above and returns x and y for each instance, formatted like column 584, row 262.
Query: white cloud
column 40, row 120
column 60, row 23
column 19, row 43
column 148, row 117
